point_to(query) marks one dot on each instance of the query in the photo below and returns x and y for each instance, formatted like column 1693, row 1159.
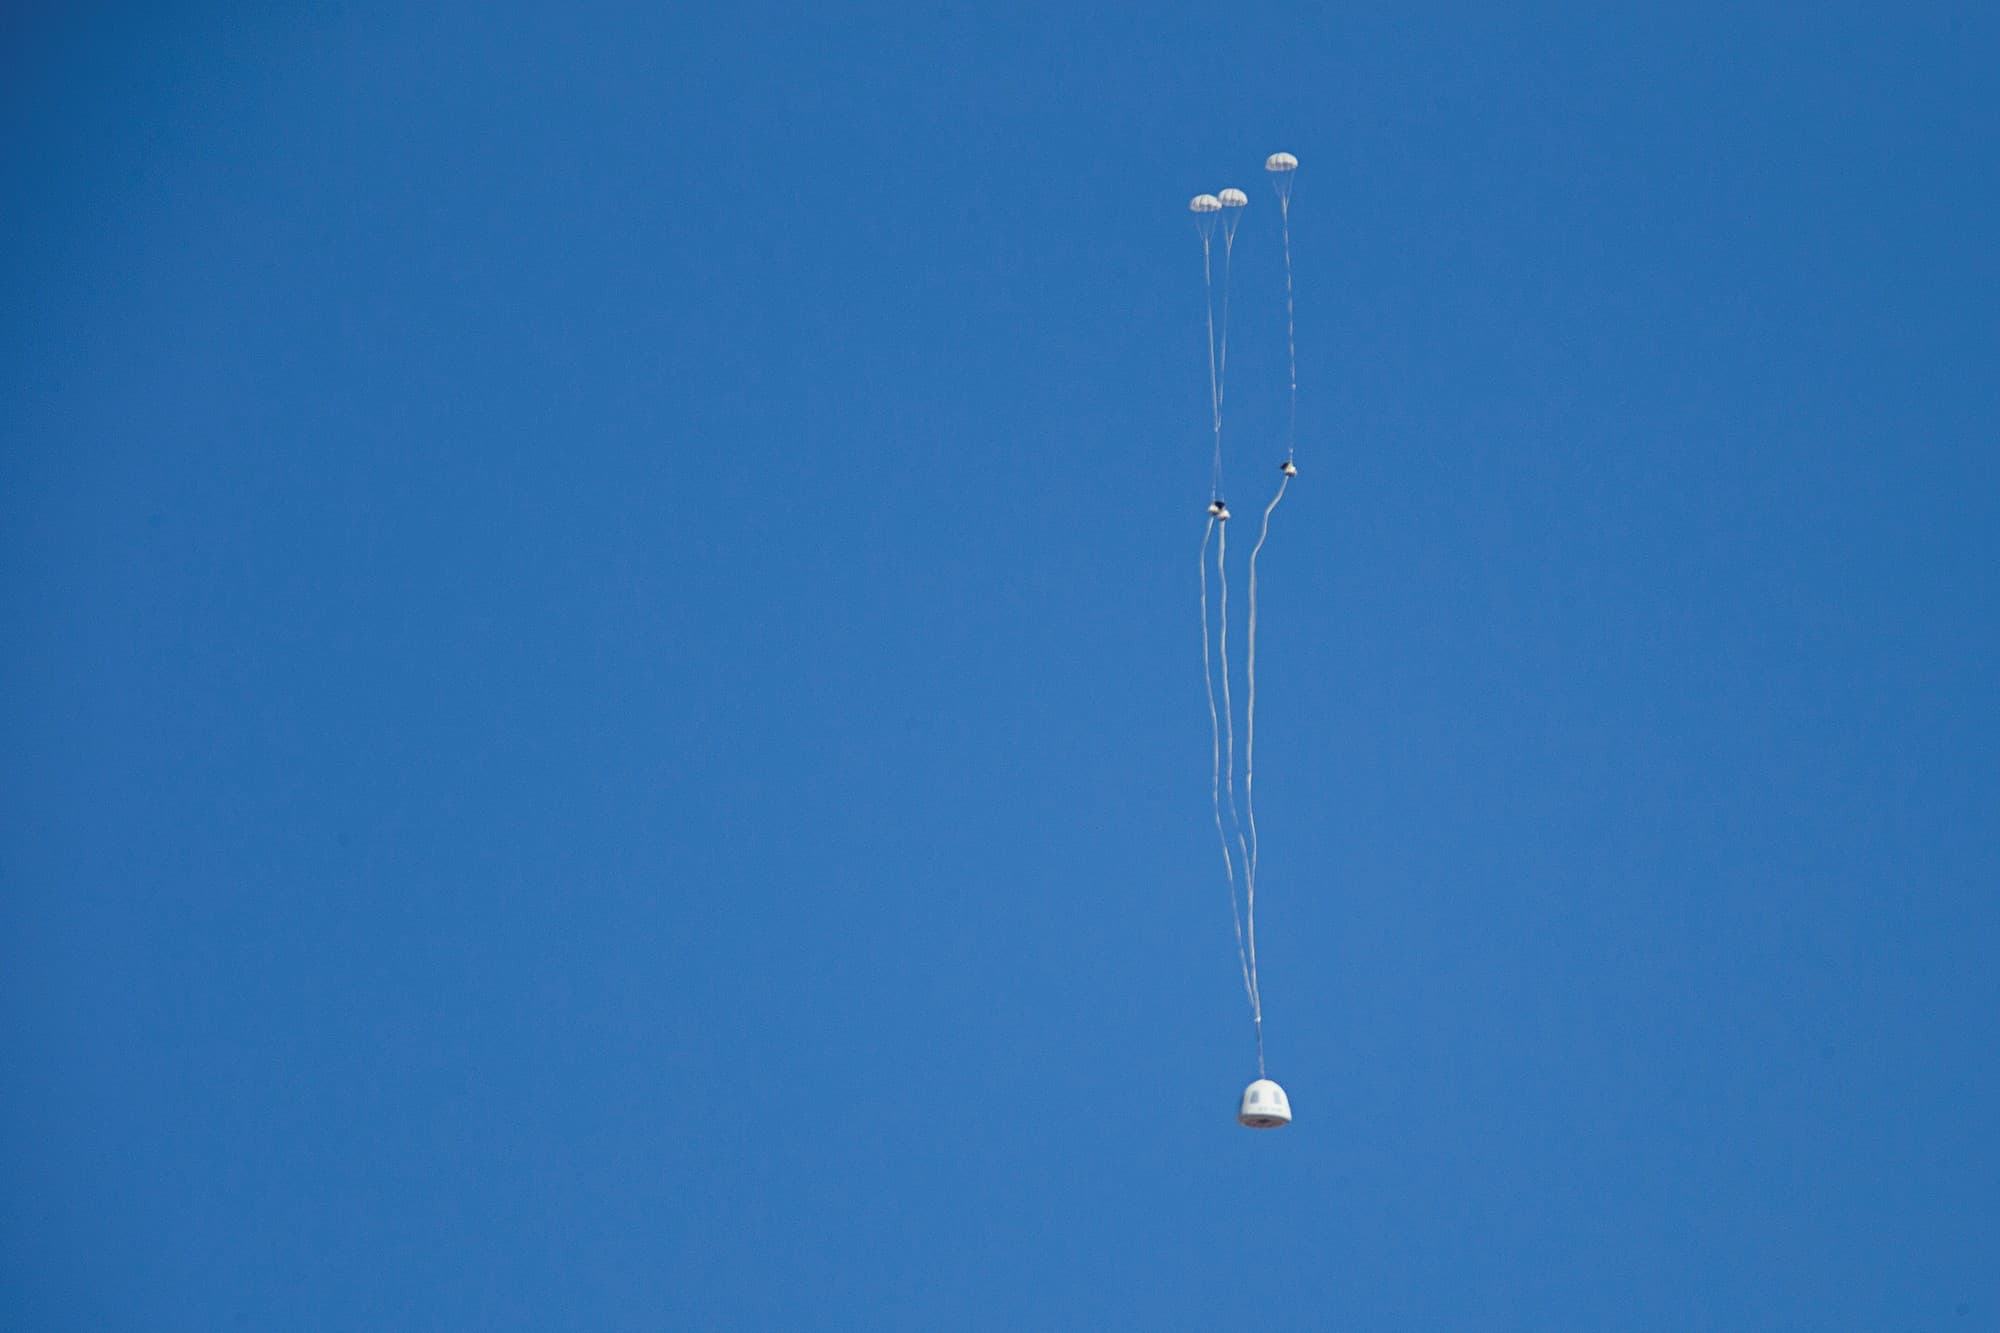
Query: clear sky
column 602, row 682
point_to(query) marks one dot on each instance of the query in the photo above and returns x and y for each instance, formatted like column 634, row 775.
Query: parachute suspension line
column 1250, row 671
column 1250, row 757
column 1250, row 711
column 1229, row 753
column 1214, row 376
column 1257, row 1022
column 1229, row 206
column 1215, row 776
column 1232, row 202
column 1205, row 207
column 1291, row 330
column 1283, row 167
column 1222, row 365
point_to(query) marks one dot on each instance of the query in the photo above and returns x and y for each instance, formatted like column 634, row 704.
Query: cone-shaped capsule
column 1264, row 1106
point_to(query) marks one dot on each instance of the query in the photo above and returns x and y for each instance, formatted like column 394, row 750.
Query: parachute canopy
column 1204, row 203
column 1232, row 198
column 1281, row 162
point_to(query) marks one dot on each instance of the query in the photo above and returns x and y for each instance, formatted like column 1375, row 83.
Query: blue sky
column 605, row 691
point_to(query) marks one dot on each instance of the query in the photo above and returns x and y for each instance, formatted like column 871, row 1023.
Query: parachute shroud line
column 1215, row 775
column 1250, row 762
column 1284, row 168
column 1205, row 207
